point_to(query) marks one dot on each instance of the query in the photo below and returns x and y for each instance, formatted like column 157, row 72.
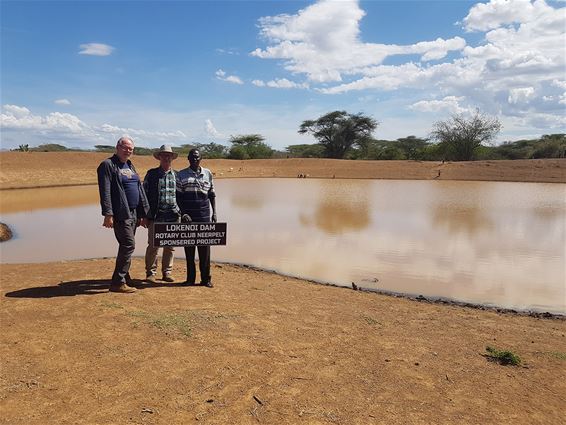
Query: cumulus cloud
column 323, row 42
column 21, row 118
column 450, row 104
column 71, row 130
column 15, row 111
column 96, row 49
column 221, row 75
column 521, row 95
column 64, row 102
column 497, row 13
column 517, row 69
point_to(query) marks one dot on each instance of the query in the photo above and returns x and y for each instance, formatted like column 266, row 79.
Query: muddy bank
column 5, row 232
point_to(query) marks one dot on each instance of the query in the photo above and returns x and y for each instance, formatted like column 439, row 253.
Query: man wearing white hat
column 160, row 186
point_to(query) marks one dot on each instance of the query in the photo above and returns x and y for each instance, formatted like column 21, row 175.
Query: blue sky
column 84, row 73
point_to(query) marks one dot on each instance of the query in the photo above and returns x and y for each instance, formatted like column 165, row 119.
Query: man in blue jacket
column 124, row 207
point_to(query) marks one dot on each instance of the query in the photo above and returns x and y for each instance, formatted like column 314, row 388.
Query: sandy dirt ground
column 262, row 348
column 259, row 347
column 38, row 169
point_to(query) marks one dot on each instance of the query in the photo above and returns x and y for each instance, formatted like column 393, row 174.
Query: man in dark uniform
column 124, row 207
column 195, row 197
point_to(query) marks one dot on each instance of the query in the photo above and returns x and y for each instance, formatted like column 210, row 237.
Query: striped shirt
column 194, row 189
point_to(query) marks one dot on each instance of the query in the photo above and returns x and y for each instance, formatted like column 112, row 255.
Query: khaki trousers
column 151, row 255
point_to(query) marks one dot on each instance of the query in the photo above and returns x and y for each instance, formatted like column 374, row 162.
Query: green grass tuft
column 108, row 304
column 559, row 355
column 503, row 357
column 181, row 322
column 370, row 320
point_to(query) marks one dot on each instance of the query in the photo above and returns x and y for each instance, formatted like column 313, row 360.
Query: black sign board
column 189, row 234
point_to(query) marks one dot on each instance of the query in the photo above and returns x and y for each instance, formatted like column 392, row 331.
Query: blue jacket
column 113, row 199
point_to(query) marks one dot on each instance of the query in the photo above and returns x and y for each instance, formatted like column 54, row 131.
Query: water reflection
column 16, row 200
column 460, row 207
column 248, row 194
column 457, row 219
column 493, row 243
column 341, row 207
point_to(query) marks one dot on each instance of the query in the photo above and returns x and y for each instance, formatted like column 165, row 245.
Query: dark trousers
column 125, row 232
column 203, row 263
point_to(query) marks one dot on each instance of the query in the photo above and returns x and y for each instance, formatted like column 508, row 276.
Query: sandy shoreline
column 261, row 347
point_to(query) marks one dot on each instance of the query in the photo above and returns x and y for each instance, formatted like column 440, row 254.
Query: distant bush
column 249, row 146
column 50, row 147
column 305, row 151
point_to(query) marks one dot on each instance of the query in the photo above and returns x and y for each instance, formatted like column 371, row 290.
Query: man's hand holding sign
column 189, row 234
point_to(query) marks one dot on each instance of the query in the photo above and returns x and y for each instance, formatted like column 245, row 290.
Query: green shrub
column 502, row 357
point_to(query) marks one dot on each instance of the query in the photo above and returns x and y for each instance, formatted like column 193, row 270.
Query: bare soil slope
column 38, row 169
column 261, row 348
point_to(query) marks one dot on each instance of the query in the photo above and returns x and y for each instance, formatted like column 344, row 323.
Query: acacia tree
column 339, row 131
column 461, row 136
column 412, row 146
column 249, row 146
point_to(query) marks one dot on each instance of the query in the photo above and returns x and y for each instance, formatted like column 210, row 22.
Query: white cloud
column 16, row 111
column 450, row 104
column 280, row 83
column 322, row 41
column 521, row 95
column 96, row 49
column 70, row 130
column 18, row 117
column 496, row 13
column 516, row 70
column 210, row 130
column 231, row 51
column 63, row 102
column 221, row 75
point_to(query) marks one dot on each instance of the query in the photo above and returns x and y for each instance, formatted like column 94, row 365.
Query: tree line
column 341, row 135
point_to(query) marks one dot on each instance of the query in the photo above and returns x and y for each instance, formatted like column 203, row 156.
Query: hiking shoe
column 207, row 284
column 187, row 283
column 168, row 278
column 150, row 278
column 123, row 289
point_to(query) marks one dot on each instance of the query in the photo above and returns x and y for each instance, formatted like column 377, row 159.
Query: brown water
column 492, row 243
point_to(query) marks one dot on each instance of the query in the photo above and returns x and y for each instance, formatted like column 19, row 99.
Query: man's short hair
column 122, row 139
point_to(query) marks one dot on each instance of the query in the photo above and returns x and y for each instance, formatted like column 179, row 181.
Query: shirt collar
column 198, row 173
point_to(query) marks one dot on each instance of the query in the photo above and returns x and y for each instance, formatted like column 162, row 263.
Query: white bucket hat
column 166, row 149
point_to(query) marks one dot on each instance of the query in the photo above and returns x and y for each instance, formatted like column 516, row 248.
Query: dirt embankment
column 38, row 169
column 261, row 348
